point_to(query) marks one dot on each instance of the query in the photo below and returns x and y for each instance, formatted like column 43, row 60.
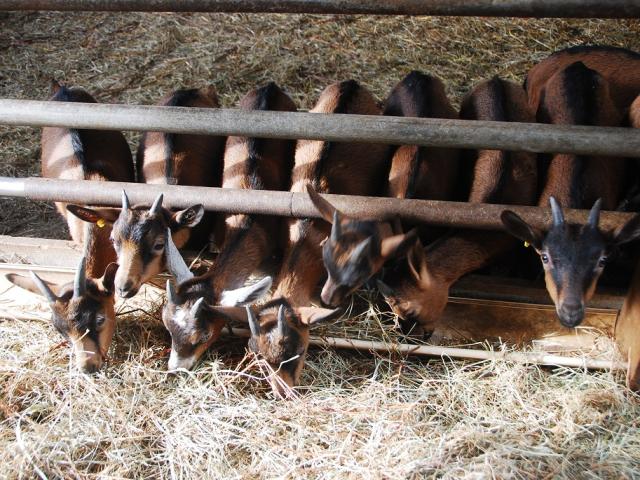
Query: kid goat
column 138, row 233
column 349, row 168
column 574, row 256
column 82, row 311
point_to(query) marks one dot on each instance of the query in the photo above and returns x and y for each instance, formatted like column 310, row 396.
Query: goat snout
column 127, row 290
column 571, row 314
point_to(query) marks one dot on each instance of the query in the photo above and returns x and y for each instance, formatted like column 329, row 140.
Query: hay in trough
column 357, row 415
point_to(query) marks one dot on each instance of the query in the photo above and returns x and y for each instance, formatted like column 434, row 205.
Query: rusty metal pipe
column 502, row 8
column 451, row 214
column 532, row 137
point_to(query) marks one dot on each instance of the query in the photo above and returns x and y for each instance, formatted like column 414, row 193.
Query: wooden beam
column 627, row 331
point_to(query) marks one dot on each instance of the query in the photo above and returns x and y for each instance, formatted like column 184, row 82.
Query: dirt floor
column 359, row 415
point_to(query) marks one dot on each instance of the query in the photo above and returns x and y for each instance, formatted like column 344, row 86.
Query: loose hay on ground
column 358, row 415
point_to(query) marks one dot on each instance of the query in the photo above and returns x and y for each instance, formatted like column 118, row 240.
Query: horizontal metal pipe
column 502, row 8
column 453, row 214
column 533, row 137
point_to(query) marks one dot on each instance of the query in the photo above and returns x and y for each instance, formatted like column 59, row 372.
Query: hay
column 357, row 415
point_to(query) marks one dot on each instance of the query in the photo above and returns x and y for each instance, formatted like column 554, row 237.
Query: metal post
column 486, row 8
column 458, row 214
column 532, row 137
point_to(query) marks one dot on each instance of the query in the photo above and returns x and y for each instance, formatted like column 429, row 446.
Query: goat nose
column 127, row 290
column 90, row 368
column 571, row 314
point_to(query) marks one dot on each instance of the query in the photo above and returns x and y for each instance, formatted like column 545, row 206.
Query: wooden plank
column 471, row 320
column 627, row 332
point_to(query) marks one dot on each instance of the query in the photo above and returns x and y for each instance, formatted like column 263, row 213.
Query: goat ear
column 94, row 215
column 246, row 295
column 312, row 315
column 324, row 207
column 35, row 285
column 417, row 261
column 628, row 232
column 108, row 278
column 189, row 217
column 385, row 289
column 55, row 86
column 517, row 227
column 175, row 263
column 397, row 245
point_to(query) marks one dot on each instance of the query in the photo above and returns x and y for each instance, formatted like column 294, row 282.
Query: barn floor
column 358, row 415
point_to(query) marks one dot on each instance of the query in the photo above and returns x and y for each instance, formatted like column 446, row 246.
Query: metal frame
column 532, row 137
column 484, row 8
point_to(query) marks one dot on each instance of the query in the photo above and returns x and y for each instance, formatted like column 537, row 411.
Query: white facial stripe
column 181, row 316
column 175, row 362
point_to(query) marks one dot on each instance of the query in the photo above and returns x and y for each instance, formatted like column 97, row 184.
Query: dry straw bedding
column 380, row 416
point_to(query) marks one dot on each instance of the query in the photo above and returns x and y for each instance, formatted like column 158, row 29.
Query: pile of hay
column 357, row 415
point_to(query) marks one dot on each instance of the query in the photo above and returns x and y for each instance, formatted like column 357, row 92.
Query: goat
column 190, row 314
column 358, row 248
column 83, row 310
column 618, row 66
column 573, row 257
column 280, row 335
column 348, row 168
column 249, row 163
column 138, row 233
column 417, row 287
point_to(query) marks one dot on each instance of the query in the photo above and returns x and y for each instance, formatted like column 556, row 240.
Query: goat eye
column 100, row 320
column 158, row 246
column 545, row 258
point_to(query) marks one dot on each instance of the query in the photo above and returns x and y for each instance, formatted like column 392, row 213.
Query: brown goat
column 249, row 163
column 358, row 248
column 417, row 288
column 164, row 158
column 574, row 256
column 347, row 168
column 280, row 335
column 83, row 311
column 618, row 66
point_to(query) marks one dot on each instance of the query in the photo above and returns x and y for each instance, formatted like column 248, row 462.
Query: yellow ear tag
column 101, row 223
column 526, row 244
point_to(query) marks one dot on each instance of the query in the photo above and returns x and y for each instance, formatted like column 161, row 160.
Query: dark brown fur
column 284, row 349
column 255, row 164
column 98, row 155
column 620, row 67
column 573, row 256
column 418, row 288
column 347, row 168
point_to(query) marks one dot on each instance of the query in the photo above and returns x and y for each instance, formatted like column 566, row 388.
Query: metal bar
column 502, row 8
column 529, row 358
column 533, row 137
column 453, row 214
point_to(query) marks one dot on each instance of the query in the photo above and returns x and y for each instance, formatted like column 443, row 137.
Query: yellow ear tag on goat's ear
column 526, row 244
column 101, row 223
